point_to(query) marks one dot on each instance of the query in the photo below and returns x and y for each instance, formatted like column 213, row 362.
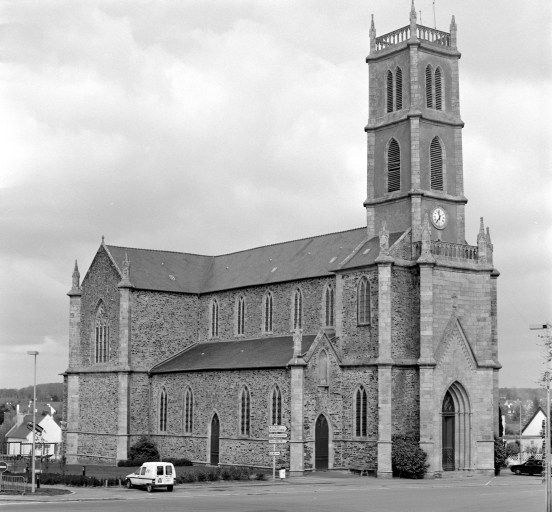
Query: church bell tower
column 415, row 133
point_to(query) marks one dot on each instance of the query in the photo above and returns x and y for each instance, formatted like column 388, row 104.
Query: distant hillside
column 523, row 393
column 44, row 392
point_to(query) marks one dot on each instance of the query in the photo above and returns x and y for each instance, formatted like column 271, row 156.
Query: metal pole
column 33, row 487
column 547, row 473
column 33, row 431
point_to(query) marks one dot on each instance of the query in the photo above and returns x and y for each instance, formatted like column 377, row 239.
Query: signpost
column 3, row 467
column 277, row 434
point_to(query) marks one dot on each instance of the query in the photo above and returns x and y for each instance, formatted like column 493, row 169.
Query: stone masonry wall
column 405, row 313
column 219, row 392
column 282, row 293
column 359, row 341
column 100, row 283
column 405, row 413
column 163, row 324
column 138, row 404
column 98, row 402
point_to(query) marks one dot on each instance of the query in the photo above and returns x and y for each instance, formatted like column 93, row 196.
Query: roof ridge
column 242, row 250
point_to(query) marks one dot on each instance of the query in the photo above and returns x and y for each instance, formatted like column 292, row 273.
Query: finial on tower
column 372, row 36
column 426, row 256
column 482, row 247
column 384, row 239
column 453, row 32
column 103, row 240
column 75, row 282
column 125, row 270
column 413, row 23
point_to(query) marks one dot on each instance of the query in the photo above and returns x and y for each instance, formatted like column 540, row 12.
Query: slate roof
column 21, row 432
column 273, row 352
column 192, row 273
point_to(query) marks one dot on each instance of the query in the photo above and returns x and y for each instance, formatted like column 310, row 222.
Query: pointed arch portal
column 321, row 443
column 456, row 429
column 215, row 433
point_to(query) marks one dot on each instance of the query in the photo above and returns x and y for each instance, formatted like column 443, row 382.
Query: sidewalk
column 337, row 479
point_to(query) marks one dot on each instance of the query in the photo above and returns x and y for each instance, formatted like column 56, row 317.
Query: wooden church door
column 321, row 442
column 215, row 432
column 448, row 433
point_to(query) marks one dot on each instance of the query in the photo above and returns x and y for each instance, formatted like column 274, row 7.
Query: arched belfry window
column 436, row 164
column 429, row 86
column 323, row 379
column 163, row 408
column 240, row 313
column 389, row 91
column 363, row 302
column 360, row 406
column 245, row 411
column 188, row 411
column 329, row 302
column 276, row 406
column 101, row 335
column 398, row 89
column 393, row 166
column 214, row 318
column 267, row 312
column 438, row 89
column 297, row 309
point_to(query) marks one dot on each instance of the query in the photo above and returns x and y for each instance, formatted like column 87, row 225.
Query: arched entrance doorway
column 448, row 433
column 215, row 433
column 456, row 429
column 321, row 443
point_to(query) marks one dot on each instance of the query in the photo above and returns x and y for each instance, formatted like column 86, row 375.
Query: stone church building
column 346, row 338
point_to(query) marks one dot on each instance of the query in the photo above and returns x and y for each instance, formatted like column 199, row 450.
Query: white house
column 20, row 439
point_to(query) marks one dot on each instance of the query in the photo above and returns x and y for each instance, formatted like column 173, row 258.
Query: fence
column 13, row 483
column 21, row 449
column 514, row 459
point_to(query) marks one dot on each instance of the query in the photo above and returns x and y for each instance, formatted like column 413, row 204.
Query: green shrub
column 139, row 462
column 142, row 449
column 407, row 458
column 201, row 476
column 499, row 454
column 213, row 474
column 260, row 476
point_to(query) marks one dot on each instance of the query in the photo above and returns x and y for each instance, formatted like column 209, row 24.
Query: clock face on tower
column 439, row 217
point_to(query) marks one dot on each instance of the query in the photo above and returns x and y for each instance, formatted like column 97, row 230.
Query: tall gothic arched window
column 297, row 309
column 436, row 164
column 389, row 91
column 245, row 412
column 329, row 303
column 276, row 406
column 363, row 302
column 398, row 89
column 101, row 335
column 267, row 312
column 163, row 407
column 429, row 86
column 241, row 315
column 214, row 318
column 438, row 89
column 393, row 166
column 188, row 411
column 360, row 405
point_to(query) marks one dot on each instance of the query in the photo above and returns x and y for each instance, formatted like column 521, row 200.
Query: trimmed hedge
column 407, row 458
column 76, row 480
column 139, row 462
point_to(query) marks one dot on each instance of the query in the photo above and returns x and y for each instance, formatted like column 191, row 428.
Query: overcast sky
column 215, row 126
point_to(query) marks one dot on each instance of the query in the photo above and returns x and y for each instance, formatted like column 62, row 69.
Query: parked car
column 151, row 475
column 531, row 467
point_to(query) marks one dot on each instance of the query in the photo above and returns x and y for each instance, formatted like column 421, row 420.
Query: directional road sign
column 274, row 454
column 277, row 428
column 38, row 428
column 277, row 441
column 4, row 465
column 272, row 434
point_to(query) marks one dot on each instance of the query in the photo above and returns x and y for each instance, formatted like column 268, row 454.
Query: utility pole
column 33, row 488
column 547, row 341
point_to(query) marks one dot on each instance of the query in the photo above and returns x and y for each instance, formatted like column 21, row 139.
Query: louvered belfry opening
column 429, row 87
column 389, row 91
column 393, row 166
column 436, row 164
column 398, row 89
column 438, row 91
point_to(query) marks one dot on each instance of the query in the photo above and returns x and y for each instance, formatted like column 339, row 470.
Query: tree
column 144, row 449
column 408, row 460
column 499, row 454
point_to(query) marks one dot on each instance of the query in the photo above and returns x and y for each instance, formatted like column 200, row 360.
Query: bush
column 76, row 480
column 260, row 476
column 144, row 448
column 213, row 474
column 139, row 462
column 499, row 454
column 407, row 458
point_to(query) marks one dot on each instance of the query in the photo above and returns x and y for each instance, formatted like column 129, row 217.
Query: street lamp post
column 546, row 327
column 33, row 484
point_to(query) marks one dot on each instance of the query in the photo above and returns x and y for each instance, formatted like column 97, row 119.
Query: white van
column 151, row 475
